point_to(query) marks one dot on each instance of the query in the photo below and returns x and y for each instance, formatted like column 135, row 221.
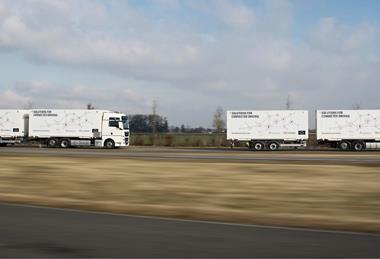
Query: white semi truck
column 349, row 129
column 65, row 128
column 268, row 129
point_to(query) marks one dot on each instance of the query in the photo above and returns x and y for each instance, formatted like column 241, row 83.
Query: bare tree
column 219, row 123
column 356, row 106
column 90, row 106
column 289, row 102
column 154, row 121
column 29, row 105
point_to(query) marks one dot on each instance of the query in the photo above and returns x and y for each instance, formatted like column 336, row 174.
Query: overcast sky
column 191, row 56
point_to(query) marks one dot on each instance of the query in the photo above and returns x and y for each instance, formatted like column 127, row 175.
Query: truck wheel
column 52, row 142
column 65, row 143
column 3, row 144
column 273, row 146
column 358, row 146
column 258, row 146
column 344, row 145
column 109, row 143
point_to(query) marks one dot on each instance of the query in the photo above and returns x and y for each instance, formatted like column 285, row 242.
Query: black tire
column 258, row 146
column 52, row 142
column 3, row 144
column 344, row 145
column 358, row 146
column 232, row 144
column 64, row 143
column 273, row 146
column 109, row 143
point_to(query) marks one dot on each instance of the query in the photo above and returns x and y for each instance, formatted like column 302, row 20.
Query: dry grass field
column 345, row 197
column 190, row 140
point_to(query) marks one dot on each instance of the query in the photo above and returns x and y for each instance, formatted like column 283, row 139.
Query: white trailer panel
column 65, row 123
column 335, row 125
column 12, row 123
column 267, row 125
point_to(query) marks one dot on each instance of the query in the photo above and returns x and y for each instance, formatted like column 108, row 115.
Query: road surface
column 27, row 231
column 336, row 157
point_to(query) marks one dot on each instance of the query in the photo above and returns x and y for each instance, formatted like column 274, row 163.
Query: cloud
column 235, row 15
column 239, row 55
column 66, row 40
column 2, row 10
column 168, row 4
column 45, row 94
column 331, row 35
column 10, row 99
column 361, row 36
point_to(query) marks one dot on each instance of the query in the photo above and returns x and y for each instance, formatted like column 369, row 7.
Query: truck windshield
column 125, row 121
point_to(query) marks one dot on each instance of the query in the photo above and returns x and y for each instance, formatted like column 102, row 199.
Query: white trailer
column 65, row 128
column 12, row 126
column 268, row 129
column 349, row 129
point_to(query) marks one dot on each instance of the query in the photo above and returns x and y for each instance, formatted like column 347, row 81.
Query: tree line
column 154, row 123
column 148, row 123
column 144, row 123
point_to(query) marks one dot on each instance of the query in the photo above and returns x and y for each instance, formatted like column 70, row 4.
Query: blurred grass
column 188, row 139
column 343, row 197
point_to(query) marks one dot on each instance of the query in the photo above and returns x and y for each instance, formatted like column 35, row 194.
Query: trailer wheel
column 358, row 146
column 273, row 146
column 258, row 146
column 3, row 144
column 52, row 142
column 109, row 143
column 65, row 143
column 344, row 145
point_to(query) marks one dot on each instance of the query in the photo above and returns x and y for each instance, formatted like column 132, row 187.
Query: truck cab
column 115, row 130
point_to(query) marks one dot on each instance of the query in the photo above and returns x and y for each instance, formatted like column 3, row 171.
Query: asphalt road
column 43, row 232
column 369, row 157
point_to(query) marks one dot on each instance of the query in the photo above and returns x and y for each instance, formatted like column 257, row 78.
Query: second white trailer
column 349, row 129
column 268, row 129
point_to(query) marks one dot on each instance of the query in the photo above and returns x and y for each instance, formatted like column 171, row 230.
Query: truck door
column 111, row 129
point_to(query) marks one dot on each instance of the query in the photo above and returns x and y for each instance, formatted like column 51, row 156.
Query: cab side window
column 113, row 122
